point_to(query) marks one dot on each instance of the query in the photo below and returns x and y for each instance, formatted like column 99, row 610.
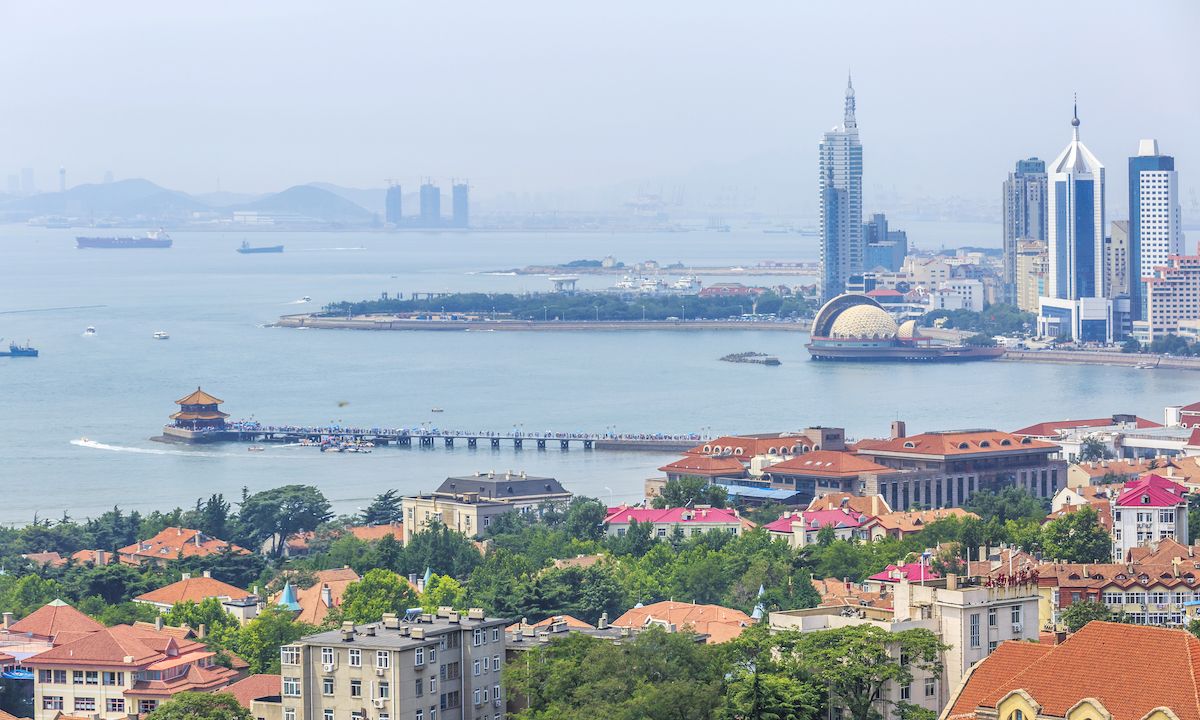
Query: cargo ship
column 248, row 249
column 153, row 239
column 15, row 350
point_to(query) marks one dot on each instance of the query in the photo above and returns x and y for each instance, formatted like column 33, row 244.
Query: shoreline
column 1119, row 359
column 305, row 321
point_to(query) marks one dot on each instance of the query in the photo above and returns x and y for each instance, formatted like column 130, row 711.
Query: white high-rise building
column 1155, row 225
column 1075, row 228
column 840, row 165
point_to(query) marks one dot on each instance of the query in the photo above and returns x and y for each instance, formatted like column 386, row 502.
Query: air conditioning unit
column 328, row 667
column 1016, row 627
column 380, row 671
column 378, row 703
column 496, row 702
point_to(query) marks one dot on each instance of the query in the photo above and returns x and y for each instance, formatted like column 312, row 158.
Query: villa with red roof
column 176, row 542
column 719, row 624
column 191, row 589
column 690, row 521
column 802, row 528
column 1148, row 509
column 909, row 572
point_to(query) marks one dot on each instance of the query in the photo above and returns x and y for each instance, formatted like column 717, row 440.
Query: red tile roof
column 1054, row 428
column 706, row 466
column 910, row 521
column 745, row 447
column 1101, row 506
column 173, row 541
column 913, row 572
column 866, row 504
column 371, row 533
column 55, row 620
column 681, row 516
column 719, row 623
column 1152, row 491
column 42, row 559
column 571, row 621
column 826, row 463
column 817, row 519
column 954, row 443
column 313, row 606
column 192, row 589
column 254, row 687
column 1130, row 669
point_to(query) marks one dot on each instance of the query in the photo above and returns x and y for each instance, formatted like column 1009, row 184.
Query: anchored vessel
column 153, row 239
column 15, row 350
column 857, row 328
column 248, row 249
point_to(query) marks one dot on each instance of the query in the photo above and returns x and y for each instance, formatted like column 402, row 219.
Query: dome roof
column 908, row 330
column 864, row 321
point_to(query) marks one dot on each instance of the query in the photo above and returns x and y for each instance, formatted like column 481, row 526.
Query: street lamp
column 643, row 313
column 682, row 313
column 597, row 313
column 545, row 316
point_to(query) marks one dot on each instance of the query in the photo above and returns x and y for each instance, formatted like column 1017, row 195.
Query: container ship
column 155, row 239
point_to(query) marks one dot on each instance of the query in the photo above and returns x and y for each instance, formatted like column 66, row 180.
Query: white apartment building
column 1149, row 509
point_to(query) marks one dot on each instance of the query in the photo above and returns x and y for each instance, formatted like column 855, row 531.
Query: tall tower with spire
column 840, row 184
column 1076, row 224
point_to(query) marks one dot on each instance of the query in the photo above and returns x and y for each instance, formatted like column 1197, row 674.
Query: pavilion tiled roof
column 192, row 589
column 826, row 463
column 971, row 442
column 199, row 398
column 54, row 620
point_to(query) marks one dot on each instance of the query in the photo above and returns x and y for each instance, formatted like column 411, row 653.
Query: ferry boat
column 161, row 335
column 687, row 283
column 248, row 249
column 153, row 239
column 15, row 350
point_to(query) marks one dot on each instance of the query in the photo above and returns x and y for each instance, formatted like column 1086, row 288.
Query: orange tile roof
column 745, row 447
column 1100, row 505
column 1101, row 468
column 42, row 559
column 1055, row 427
column 110, row 646
column 1163, row 552
column 370, row 533
column 836, row 592
column 910, row 521
column 1130, row 669
column 579, row 561
column 179, row 632
column 571, row 621
column 971, row 442
column 705, row 465
column 192, row 589
column 872, row 505
column 1006, row 662
column 172, row 541
column 254, row 687
column 199, row 398
column 94, row 557
column 53, row 620
column 719, row 623
column 312, row 600
column 8, row 716
column 197, row 679
column 827, row 463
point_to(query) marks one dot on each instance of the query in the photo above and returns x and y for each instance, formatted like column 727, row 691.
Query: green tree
column 220, row 626
column 754, row 695
column 1081, row 613
column 201, row 706
column 856, row 662
column 384, row 509
column 690, row 491
column 1131, row 345
column 1077, row 537
column 441, row 549
column 1092, row 449
column 278, row 513
column 379, row 591
column 259, row 640
column 1011, row 503
column 585, row 519
column 443, row 591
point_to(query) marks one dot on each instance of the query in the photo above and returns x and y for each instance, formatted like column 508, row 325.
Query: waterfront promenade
column 391, row 322
column 1088, row 357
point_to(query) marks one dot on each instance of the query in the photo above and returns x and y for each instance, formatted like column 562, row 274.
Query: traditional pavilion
column 198, row 412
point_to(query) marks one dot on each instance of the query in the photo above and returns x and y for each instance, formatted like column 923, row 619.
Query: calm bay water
column 116, row 388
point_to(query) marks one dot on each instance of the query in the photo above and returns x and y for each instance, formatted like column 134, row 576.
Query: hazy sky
column 568, row 97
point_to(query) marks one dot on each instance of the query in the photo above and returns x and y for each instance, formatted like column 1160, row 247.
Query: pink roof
column 817, row 519
column 1194, row 440
column 913, row 572
column 682, row 516
column 1151, row 491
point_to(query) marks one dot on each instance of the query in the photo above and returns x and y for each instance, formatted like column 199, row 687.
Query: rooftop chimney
column 202, row 631
column 187, row 576
column 326, row 595
column 347, row 631
column 603, row 623
column 899, row 430
column 208, row 573
column 8, row 620
column 158, row 623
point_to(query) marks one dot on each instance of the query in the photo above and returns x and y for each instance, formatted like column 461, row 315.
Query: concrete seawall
column 1067, row 357
column 389, row 323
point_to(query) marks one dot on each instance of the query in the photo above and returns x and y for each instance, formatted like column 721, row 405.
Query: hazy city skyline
column 725, row 105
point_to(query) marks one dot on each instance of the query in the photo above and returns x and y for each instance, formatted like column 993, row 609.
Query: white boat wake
column 84, row 442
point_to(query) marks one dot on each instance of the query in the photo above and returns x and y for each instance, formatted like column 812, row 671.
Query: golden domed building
column 856, row 327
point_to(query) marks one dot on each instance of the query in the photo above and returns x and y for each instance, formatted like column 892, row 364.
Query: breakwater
column 388, row 322
column 1084, row 357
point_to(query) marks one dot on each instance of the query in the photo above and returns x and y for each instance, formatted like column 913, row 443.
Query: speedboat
column 436, row 410
column 89, row 330
column 161, row 335
column 256, row 448
column 306, row 299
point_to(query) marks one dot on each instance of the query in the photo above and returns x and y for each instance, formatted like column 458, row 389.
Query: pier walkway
column 251, row 431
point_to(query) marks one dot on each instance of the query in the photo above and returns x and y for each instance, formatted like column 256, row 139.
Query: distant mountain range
column 138, row 198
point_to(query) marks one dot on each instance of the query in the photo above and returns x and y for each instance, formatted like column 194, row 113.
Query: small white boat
column 255, row 448
column 436, row 410
column 306, row 299
column 161, row 335
column 89, row 330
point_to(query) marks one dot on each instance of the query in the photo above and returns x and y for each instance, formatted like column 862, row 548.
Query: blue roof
column 288, row 597
column 757, row 492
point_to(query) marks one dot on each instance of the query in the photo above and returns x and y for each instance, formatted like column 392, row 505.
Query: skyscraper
column 1024, row 215
column 431, row 204
column 840, row 170
column 1075, row 210
column 392, row 206
column 883, row 247
column 1155, row 231
column 460, row 204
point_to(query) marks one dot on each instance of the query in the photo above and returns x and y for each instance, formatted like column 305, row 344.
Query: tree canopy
column 201, row 706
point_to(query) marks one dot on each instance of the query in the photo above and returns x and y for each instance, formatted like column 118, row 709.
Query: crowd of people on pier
column 253, row 426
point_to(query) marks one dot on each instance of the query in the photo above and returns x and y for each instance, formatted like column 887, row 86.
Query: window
column 661, row 532
column 974, row 630
column 115, row 705
column 495, row 692
column 1166, row 516
column 485, row 695
column 991, row 617
column 291, row 687
column 432, row 685
column 327, row 686
column 355, row 658
column 147, row 706
column 905, row 691
column 420, row 715
column 114, row 678
column 77, row 677
column 1016, row 614
column 1114, row 598
column 326, row 656
column 289, row 655
column 495, row 634
column 1016, row 715
column 1158, row 597
column 419, row 657
column 930, row 687
column 289, row 714
column 52, row 702
column 475, row 668
column 476, row 696
column 477, row 637
column 383, row 659
column 432, row 655
column 420, row 687
column 495, row 663
column 327, row 714
column 357, row 715
column 991, row 646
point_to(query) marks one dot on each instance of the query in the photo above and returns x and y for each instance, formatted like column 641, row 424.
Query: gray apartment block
column 419, row 667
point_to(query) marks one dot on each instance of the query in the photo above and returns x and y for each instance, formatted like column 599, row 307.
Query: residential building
column 840, row 171
column 1106, row 670
column 958, row 294
column 926, row 272
column 943, row 469
column 312, row 604
column 1155, row 224
column 1117, row 276
column 1032, row 273
column 761, row 450
column 902, row 524
column 689, row 520
column 469, row 504
column 1149, row 509
column 718, row 624
column 819, row 472
column 115, row 672
column 1172, row 295
column 1183, row 470
column 460, row 204
column 446, row 666
column 873, row 505
column 431, row 205
column 1024, row 215
column 173, row 543
column 193, row 589
column 804, row 528
column 255, row 687
column 970, row 615
column 392, row 206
